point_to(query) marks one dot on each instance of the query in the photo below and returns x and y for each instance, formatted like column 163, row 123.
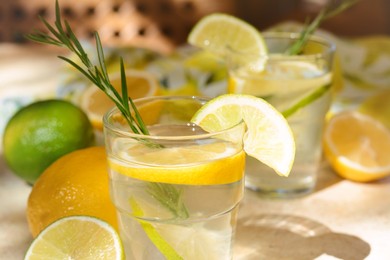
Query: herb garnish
column 63, row 36
column 327, row 12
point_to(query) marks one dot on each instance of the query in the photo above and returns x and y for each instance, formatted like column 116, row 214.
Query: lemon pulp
column 70, row 238
column 192, row 165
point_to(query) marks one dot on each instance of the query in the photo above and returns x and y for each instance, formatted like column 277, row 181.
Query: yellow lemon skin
column 41, row 132
column 75, row 184
column 222, row 171
column 351, row 173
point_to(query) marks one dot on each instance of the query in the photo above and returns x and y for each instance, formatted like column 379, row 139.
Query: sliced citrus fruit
column 77, row 237
column 268, row 137
column 217, row 32
column 192, row 165
column 357, row 146
column 75, row 184
column 96, row 103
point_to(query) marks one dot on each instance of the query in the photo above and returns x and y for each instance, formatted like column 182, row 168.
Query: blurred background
column 163, row 24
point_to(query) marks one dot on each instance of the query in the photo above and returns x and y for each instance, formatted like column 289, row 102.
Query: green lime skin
column 41, row 132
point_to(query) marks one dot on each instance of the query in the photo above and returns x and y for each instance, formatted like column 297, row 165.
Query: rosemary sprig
column 160, row 191
column 329, row 11
column 63, row 36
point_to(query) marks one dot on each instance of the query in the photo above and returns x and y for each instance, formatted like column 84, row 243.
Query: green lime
column 40, row 133
column 77, row 237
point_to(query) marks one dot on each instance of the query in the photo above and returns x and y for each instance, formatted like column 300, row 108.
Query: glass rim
column 123, row 133
column 330, row 46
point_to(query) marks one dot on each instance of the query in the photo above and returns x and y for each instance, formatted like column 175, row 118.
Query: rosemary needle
column 327, row 12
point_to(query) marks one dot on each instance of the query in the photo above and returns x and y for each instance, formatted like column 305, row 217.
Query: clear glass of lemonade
column 299, row 86
column 176, row 190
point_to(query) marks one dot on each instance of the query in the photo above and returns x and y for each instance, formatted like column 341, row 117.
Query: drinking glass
column 176, row 190
column 299, row 86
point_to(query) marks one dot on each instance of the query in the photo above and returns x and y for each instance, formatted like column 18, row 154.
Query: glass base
column 266, row 182
column 280, row 193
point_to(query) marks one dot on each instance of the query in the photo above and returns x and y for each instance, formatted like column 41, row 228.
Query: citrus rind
column 268, row 138
column 357, row 147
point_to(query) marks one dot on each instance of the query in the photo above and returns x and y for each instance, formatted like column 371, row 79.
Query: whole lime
column 41, row 132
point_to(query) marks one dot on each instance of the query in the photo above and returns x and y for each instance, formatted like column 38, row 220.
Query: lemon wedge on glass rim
column 222, row 33
column 268, row 137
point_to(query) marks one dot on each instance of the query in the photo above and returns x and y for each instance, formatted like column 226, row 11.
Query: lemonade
column 300, row 88
column 176, row 190
column 204, row 229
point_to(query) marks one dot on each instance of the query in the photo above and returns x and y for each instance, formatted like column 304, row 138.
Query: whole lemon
column 75, row 184
column 41, row 132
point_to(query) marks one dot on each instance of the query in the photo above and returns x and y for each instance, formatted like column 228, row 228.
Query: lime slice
column 217, row 32
column 268, row 137
column 167, row 250
column 77, row 237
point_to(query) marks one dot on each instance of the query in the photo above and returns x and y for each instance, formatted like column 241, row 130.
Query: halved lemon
column 268, row 137
column 96, row 103
column 77, row 237
column 217, row 32
column 357, row 146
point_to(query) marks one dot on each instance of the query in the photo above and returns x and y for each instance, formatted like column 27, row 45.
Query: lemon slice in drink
column 77, row 237
column 357, row 146
column 192, row 165
column 217, row 32
column 268, row 137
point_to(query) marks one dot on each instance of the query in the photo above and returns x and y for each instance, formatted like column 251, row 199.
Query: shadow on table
column 290, row 237
column 326, row 177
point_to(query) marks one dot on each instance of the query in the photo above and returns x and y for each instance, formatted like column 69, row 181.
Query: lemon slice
column 217, row 32
column 96, row 103
column 268, row 137
column 77, row 237
column 207, row 164
column 357, row 146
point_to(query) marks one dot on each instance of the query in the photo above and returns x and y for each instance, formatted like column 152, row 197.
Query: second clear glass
column 299, row 86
